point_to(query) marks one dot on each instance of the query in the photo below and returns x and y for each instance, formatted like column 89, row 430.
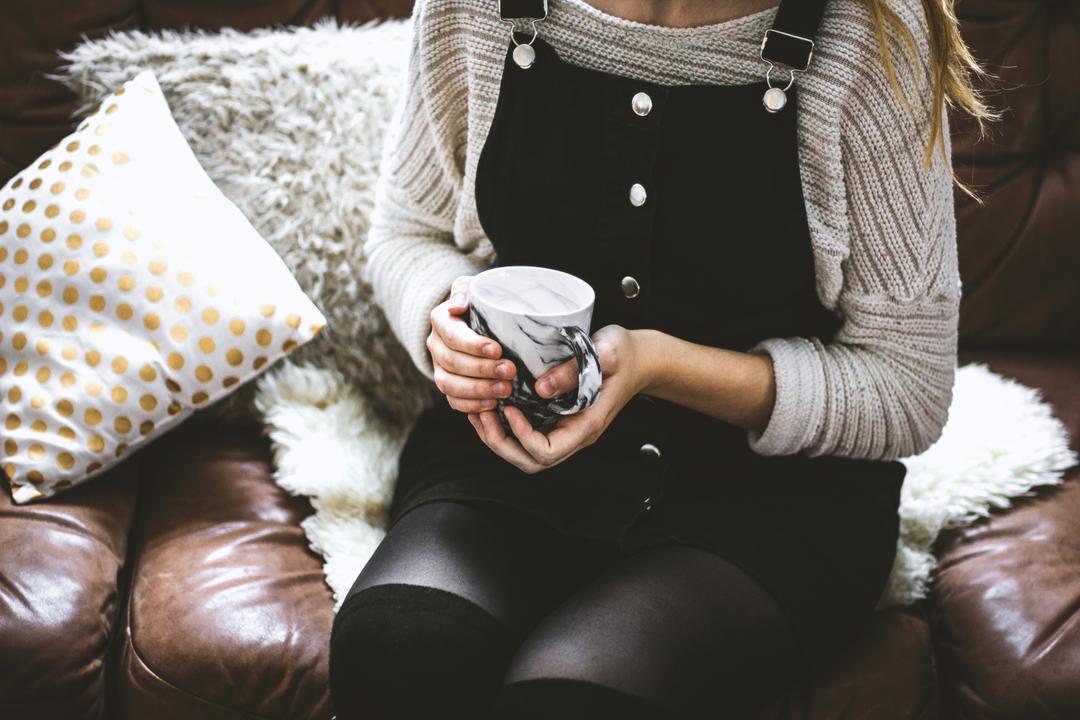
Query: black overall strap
column 790, row 41
column 524, row 9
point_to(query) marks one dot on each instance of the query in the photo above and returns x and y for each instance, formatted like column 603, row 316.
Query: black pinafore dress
column 689, row 218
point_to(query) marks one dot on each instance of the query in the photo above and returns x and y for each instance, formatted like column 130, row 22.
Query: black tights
column 481, row 612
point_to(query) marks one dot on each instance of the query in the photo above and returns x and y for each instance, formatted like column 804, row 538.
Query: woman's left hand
column 626, row 372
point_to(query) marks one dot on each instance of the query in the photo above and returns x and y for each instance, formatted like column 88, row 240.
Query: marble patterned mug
column 541, row 317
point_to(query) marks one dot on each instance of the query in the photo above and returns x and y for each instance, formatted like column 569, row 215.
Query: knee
column 409, row 651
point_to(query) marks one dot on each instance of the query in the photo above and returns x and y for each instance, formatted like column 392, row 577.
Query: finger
column 450, row 384
column 558, row 379
column 537, row 444
column 470, row 405
column 505, row 446
column 459, row 295
column 466, row 365
column 457, row 334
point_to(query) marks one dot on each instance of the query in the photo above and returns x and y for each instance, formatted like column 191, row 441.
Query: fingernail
column 458, row 300
column 491, row 349
column 504, row 369
column 545, row 386
column 502, row 389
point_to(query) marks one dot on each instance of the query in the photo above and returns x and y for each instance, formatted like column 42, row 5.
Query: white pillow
column 132, row 293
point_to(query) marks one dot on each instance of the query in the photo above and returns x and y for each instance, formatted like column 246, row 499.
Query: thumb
column 559, row 379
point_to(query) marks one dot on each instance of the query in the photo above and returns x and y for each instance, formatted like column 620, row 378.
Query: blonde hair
column 954, row 70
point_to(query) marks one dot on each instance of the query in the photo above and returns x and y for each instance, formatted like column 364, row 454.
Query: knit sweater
column 882, row 226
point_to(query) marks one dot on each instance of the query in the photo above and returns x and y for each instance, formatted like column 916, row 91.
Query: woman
column 776, row 304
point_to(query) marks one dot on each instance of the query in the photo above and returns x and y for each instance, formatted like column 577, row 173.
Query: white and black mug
column 541, row 317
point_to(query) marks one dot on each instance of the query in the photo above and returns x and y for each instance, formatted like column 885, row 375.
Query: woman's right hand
column 469, row 369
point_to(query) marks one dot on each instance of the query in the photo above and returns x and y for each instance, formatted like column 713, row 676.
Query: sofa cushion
column 63, row 579
column 229, row 613
column 1006, row 599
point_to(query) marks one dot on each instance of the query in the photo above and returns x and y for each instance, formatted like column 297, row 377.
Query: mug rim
column 574, row 279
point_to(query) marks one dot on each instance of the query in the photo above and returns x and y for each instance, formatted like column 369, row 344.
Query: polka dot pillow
column 132, row 293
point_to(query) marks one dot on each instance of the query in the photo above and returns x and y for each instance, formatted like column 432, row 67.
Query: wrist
column 649, row 351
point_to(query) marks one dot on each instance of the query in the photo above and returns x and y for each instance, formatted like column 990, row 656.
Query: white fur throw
column 289, row 122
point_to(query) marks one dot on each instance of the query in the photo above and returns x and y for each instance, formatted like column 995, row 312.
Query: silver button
column 631, row 288
column 647, row 503
column 641, row 103
column 637, row 195
column 650, row 450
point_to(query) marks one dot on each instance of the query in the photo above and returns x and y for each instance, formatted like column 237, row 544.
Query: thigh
column 674, row 626
column 496, row 557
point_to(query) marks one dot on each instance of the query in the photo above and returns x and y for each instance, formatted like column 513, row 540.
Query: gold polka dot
column 259, row 362
column 206, row 344
column 9, row 470
column 9, row 203
column 210, row 316
column 71, row 324
column 157, row 267
column 101, row 249
column 44, row 164
column 4, row 226
column 95, row 443
column 119, row 394
column 178, row 332
column 148, row 402
column 29, row 206
column 112, row 108
column 131, row 233
column 52, row 210
column 199, row 397
column 288, row 345
column 126, row 283
column 35, row 184
column 120, row 90
column 124, row 311
column 92, row 416
column 71, row 295
column 20, row 312
column 35, row 476
column 154, row 293
column 89, row 170
column 122, row 424
column 120, row 158
column 39, row 426
column 174, row 408
column 71, row 267
column 77, row 216
column 94, row 387
column 292, row 320
column 93, row 357
column 66, row 433
column 101, row 129
column 21, row 367
column 94, row 150
column 64, row 166
column 56, row 188
column 18, row 340
column 234, row 356
column 43, row 374
column 44, row 288
column 99, row 274
column 37, row 402
column 97, row 302
column 93, row 467
column 72, row 146
column 67, row 379
column 266, row 310
column 65, row 407
column 65, row 460
column 236, row 325
column 129, row 257
column 82, row 194
column 203, row 373
column 172, row 385
column 21, row 256
column 121, row 449
column 183, row 304
column 21, row 284
column 10, row 447
column 146, row 427
column 119, row 364
column 45, row 261
column 152, row 321
column 12, row 421
column 36, row 452
column 103, row 224
column 176, row 360
column 186, row 278
column 74, row 241
column 48, row 235
column 43, row 346
column 14, row 394
column 147, row 373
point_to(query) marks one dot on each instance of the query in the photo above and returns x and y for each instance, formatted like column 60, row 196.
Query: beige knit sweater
column 882, row 226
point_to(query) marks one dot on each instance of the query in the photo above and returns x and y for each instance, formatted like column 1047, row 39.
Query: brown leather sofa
column 180, row 585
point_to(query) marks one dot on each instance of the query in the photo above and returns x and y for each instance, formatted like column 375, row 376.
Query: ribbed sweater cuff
column 799, row 409
column 411, row 285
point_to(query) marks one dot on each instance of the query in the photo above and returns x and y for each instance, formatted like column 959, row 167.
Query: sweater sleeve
column 412, row 256
column 881, row 388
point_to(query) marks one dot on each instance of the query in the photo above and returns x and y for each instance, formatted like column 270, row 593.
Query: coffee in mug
column 541, row 317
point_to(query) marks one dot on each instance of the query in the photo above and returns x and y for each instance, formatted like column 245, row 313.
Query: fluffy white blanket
column 289, row 122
